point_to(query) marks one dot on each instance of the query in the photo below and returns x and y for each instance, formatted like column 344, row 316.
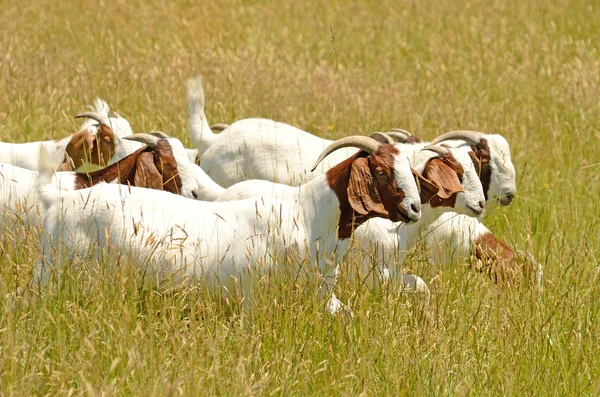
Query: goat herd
column 264, row 194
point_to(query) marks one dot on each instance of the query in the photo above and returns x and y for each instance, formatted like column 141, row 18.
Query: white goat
column 89, row 145
column 223, row 242
column 163, row 165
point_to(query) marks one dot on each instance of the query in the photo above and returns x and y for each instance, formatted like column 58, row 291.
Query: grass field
column 529, row 70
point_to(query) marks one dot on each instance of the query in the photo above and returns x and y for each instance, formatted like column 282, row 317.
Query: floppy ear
column 362, row 192
column 79, row 148
column 165, row 162
column 105, row 140
column 444, row 177
column 146, row 174
column 427, row 189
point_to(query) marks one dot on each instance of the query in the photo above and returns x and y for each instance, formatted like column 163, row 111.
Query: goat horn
column 146, row 139
column 437, row 149
column 382, row 137
column 160, row 134
column 219, row 127
column 365, row 143
column 469, row 136
column 94, row 116
column 399, row 134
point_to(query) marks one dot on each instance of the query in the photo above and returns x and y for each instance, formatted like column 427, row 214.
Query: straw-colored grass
column 527, row 69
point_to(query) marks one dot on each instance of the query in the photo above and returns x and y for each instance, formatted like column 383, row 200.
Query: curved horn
column 469, row 136
column 219, row 127
column 365, row 143
column 382, row 137
column 399, row 134
column 401, row 130
column 437, row 149
column 160, row 134
column 94, row 116
column 146, row 139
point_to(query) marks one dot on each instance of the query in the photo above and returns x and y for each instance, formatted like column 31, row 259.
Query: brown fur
column 167, row 166
column 146, row 173
column 139, row 169
column 505, row 266
column 362, row 193
column 493, row 256
column 413, row 139
column 481, row 158
column 427, row 189
column 86, row 146
column 446, row 173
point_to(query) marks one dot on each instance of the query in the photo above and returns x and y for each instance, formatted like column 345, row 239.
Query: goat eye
column 380, row 172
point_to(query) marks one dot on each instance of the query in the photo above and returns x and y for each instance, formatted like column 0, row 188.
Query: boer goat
column 181, row 240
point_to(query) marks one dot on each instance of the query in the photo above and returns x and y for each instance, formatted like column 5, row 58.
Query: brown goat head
column 366, row 188
column 85, row 146
column 146, row 167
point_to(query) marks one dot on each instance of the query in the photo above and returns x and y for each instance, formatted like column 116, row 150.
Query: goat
column 163, row 164
column 94, row 144
column 224, row 242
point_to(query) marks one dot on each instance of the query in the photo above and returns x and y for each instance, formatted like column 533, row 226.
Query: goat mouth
column 400, row 216
column 476, row 211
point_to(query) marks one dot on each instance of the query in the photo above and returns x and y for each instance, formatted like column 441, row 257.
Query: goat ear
column 165, row 162
column 105, row 140
column 79, row 148
column 146, row 174
column 427, row 189
column 444, row 176
column 362, row 192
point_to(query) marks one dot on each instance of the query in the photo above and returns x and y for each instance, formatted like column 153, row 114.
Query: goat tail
column 200, row 131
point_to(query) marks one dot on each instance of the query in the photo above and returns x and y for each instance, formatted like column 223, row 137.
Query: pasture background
column 529, row 70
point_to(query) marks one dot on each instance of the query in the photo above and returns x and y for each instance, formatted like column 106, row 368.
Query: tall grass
column 529, row 70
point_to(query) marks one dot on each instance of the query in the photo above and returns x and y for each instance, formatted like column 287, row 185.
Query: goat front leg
column 329, row 277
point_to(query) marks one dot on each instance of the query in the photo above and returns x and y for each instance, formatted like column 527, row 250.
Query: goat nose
column 416, row 208
column 507, row 198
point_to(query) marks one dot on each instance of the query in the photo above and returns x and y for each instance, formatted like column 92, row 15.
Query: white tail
column 200, row 131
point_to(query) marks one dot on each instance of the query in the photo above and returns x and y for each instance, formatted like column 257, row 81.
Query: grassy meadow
column 528, row 70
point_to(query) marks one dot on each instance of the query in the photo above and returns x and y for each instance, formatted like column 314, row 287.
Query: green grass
column 529, row 70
